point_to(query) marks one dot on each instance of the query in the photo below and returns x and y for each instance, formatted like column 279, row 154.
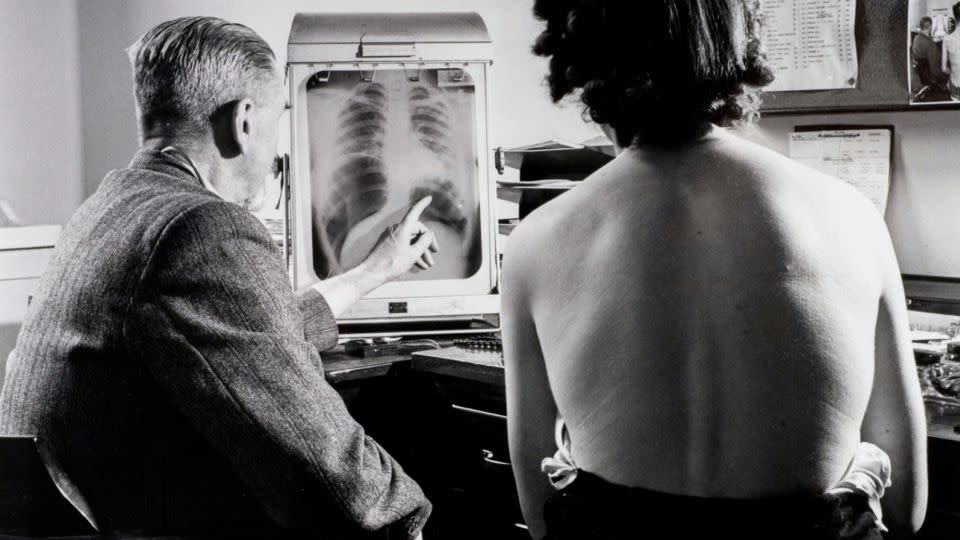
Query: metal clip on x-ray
column 413, row 76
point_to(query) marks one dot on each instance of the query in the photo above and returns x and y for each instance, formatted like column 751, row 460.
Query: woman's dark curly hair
column 657, row 71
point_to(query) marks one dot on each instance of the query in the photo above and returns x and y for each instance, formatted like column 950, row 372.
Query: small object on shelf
column 365, row 348
column 929, row 353
column 953, row 346
column 387, row 346
column 487, row 343
column 953, row 349
column 946, row 379
column 940, row 382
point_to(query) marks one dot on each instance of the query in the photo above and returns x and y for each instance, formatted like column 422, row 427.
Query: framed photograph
column 933, row 55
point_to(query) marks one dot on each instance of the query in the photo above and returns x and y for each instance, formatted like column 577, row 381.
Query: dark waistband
column 592, row 508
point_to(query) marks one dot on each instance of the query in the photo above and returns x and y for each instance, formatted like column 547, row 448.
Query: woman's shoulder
column 533, row 230
column 549, row 229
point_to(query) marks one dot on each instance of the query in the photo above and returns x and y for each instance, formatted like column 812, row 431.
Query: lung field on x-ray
column 378, row 146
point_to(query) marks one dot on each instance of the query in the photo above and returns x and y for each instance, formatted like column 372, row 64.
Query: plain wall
column 522, row 112
column 917, row 10
column 40, row 110
column 40, row 146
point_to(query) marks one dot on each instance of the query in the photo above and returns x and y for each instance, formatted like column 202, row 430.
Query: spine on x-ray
column 361, row 185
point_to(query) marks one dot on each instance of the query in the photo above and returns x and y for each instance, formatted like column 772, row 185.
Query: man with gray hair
column 165, row 362
column 925, row 54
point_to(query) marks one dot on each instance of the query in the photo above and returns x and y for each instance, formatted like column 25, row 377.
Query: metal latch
column 387, row 45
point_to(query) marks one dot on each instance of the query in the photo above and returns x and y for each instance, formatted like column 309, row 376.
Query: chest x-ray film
column 379, row 142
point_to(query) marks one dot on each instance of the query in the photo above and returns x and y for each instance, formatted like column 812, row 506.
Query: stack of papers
column 548, row 183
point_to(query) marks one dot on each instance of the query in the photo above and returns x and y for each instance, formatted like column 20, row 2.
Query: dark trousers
column 592, row 509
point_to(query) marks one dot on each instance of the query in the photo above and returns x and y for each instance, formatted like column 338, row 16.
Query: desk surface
column 475, row 365
column 480, row 366
column 340, row 366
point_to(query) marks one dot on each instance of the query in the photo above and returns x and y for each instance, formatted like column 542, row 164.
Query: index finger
column 413, row 215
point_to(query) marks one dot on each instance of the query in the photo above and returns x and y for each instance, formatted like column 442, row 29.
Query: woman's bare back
column 708, row 321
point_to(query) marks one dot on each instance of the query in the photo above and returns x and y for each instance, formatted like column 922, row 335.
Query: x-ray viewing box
column 386, row 109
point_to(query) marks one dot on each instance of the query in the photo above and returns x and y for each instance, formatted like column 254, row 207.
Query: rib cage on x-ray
column 359, row 179
column 379, row 146
column 430, row 119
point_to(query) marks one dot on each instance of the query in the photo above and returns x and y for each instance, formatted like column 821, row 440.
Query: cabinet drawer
column 482, row 460
column 14, row 295
column 23, row 263
column 480, row 435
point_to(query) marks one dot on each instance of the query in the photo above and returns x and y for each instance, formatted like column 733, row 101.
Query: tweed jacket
column 170, row 369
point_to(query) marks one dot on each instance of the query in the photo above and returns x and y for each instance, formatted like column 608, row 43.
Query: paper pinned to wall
column 811, row 43
column 860, row 157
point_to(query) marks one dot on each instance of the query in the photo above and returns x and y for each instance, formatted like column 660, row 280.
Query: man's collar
column 153, row 160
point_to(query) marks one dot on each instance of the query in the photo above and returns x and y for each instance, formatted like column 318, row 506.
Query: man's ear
column 241, row 123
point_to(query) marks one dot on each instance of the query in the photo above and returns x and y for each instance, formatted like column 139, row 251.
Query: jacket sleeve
column 319, row 324
column 217, row 326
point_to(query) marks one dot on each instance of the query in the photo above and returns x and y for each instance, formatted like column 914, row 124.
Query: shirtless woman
column 708, row 319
